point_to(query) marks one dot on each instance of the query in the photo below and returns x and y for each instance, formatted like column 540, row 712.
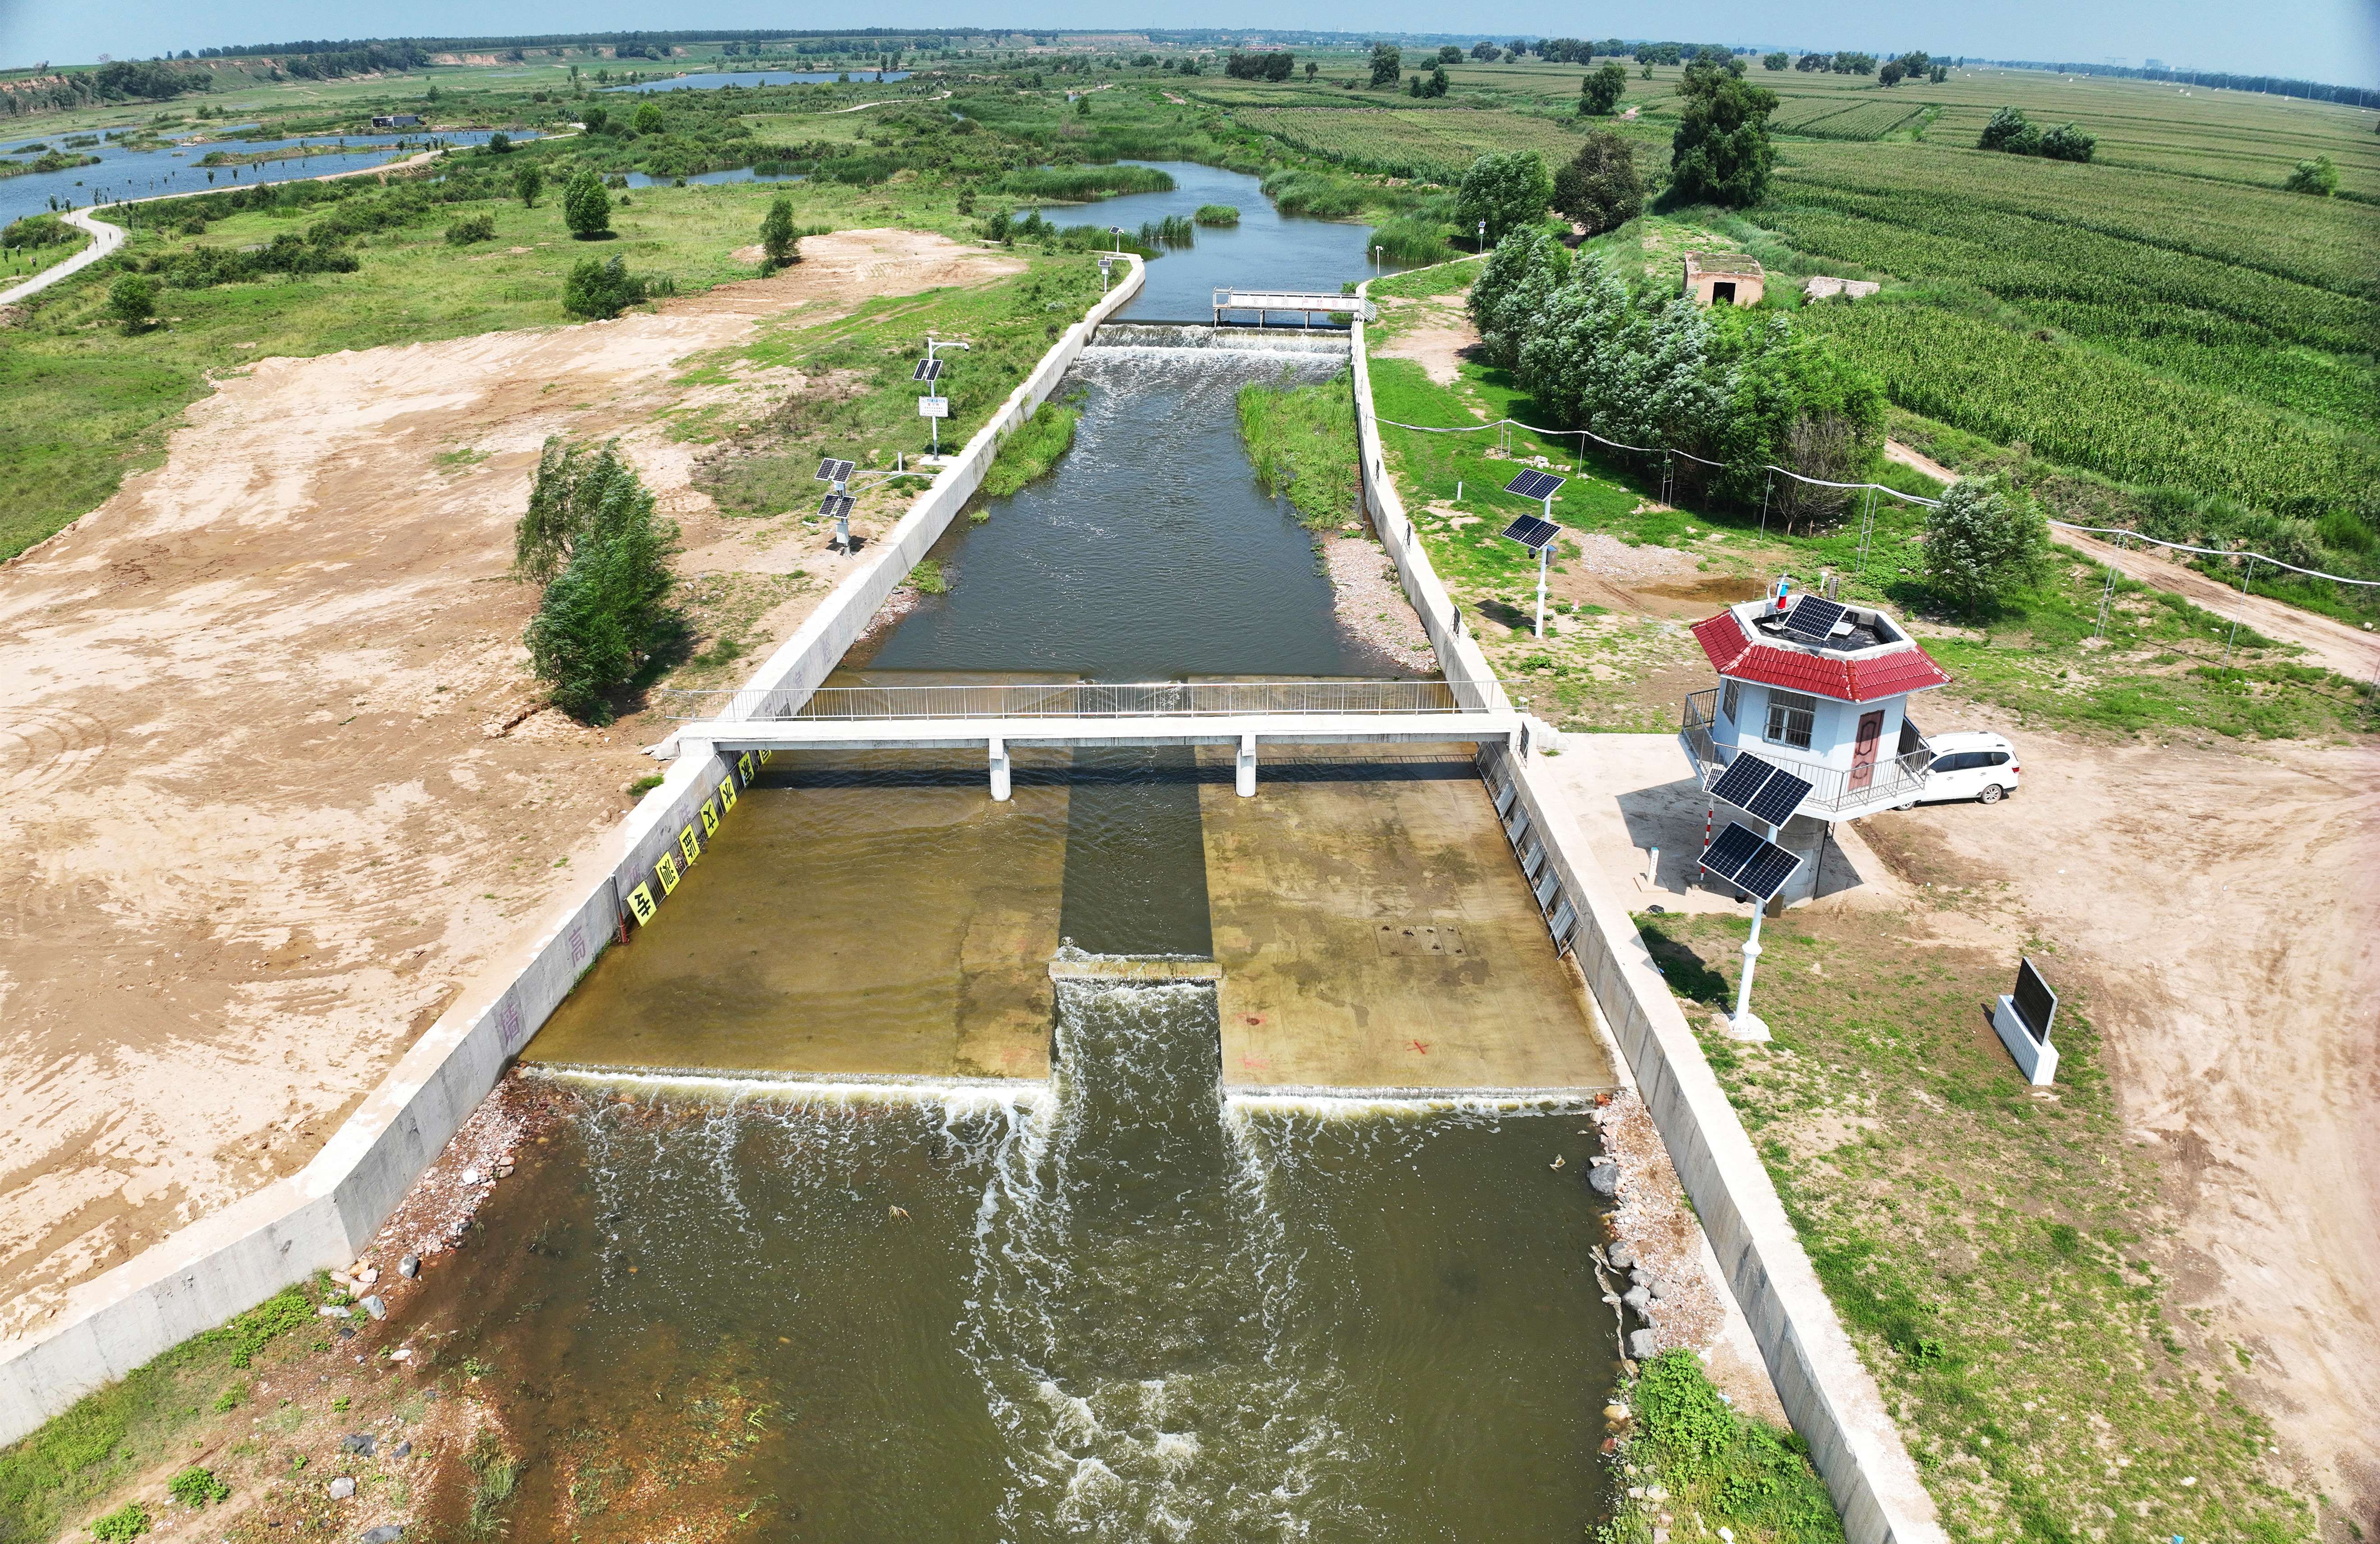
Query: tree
column 1600, row 188
column 2007, row 126
column 591, row 529
column 1720, row 151
column 1436, row 84
column 1450, row 55
column 2318, row 177
column 778, row 247
column 1793, row 403
column 1505, row 191
column 1600, row 92
column 132, row 299
column 500, row 143
column 596, row 120
column 586, row 208
column 1809, row 62
column 527, row 183
column 648, row 119
column 601, row 291
column 1486, row 53
column 1310, row 68
column 1892, row 74
column 1388, row 64
column 2067, row 142
column 1985, row 541
column 1514, row 287
column 1776, row 61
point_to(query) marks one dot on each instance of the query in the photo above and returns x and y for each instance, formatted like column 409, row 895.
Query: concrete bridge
column 1245, row 714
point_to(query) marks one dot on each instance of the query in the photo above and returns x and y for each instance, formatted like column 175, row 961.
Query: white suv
column 1970, row 764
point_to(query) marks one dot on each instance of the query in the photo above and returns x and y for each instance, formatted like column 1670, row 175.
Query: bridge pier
column 1244, row 779
column 1000, row 773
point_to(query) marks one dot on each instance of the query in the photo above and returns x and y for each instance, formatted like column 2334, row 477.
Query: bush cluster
column 1645, row 365
column 2009, row 131
column 591, row 536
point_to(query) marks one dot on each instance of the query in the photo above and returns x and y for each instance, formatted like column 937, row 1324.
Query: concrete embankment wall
column 1828, row 1393
column 324, row 1215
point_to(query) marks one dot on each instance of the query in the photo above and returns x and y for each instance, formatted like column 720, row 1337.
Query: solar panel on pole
column 927, row 369
column 1533, row 532
column 1532, row 484
column 832, row 470
column 1750, row 862
column 836, row 506
column 1762, row 789
column 1814, row 617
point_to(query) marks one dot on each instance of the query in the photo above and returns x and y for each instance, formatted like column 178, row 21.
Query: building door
column 1871, row 729
column 1723, row 292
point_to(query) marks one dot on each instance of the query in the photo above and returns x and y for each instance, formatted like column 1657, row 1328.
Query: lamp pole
column 1746, row 1025
column 1483, row 236
column 1544, row 557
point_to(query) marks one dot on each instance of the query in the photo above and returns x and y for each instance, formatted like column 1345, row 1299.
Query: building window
column 1733, row 700
column 1791, row 715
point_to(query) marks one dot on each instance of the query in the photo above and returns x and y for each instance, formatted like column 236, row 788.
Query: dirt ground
column 272, row 763
column 2210, row 910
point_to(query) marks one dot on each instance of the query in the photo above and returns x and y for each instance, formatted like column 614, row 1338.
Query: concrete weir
column 324, row 1215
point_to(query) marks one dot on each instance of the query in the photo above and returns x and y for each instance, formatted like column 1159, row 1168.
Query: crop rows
column 1436, row 145
column 1832, row 118
column 2323, row 242
column 2092, row 409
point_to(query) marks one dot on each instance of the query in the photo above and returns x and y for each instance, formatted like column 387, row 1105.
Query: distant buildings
column 396, row 120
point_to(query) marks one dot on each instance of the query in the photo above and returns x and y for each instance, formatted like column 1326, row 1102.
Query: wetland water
column 986, row 1256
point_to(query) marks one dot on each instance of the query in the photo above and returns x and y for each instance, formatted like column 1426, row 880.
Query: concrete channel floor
column 1374, row 932
column 1371, row 928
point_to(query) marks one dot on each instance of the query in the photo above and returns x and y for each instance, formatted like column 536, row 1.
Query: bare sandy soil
column 2214, row 915
column 273, row 774
column 2217, row 910
column 1436, row 334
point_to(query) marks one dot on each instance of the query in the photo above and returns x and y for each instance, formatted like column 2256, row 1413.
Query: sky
column 2333, row 41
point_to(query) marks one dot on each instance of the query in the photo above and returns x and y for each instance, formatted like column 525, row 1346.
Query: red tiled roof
column 1734, row 652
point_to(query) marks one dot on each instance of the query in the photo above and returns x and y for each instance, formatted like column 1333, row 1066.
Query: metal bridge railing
column 1071, row 700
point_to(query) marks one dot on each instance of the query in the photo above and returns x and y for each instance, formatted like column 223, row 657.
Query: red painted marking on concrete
column 1419, row 1047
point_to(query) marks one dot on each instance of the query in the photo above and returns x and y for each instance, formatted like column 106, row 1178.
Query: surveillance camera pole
column 1483, row 236
column 934, row 426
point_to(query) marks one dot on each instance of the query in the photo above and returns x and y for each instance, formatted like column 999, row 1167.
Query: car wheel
column 1910, row 804
column 1991, row 793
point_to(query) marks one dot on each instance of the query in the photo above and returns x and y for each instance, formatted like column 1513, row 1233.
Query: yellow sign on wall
column 667, row 869
column 641, row 901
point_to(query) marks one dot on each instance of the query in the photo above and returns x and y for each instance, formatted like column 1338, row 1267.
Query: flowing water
column 1119, row 1306
column 894, row 1296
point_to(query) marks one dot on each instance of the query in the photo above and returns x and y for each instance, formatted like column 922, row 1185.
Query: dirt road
column 2351, row 651
column 273, row 775
column 105, row 238
column 2216, row 910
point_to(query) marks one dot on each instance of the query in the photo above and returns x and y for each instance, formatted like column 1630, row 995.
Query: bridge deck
column 739, row 734
column 1308, row 303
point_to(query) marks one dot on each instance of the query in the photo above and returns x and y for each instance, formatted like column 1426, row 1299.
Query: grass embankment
column 1984, row 1245
column 1692, row 1465
column 1302, row 442
column 85, row 1456
column 2159, row 668
column 1029, row 454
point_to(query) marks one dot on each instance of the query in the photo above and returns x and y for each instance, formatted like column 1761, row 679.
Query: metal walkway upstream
column 995, row 716
column 1306, row 303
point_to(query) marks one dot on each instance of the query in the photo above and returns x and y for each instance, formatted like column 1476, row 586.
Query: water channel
column 122, row 173
column 852, row 1217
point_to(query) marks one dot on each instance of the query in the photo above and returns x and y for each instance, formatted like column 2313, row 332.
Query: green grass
column 1989, row 1252
column 1029, row 453
column 1716, row 1467
column 79, row 1457
column 2160, row 668
column 1302, row 442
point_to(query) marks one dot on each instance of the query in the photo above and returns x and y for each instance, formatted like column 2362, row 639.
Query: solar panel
column 1533, row 532
column 1534, row 484
column 927, row 369
column 1814, row 617
column 1756, row 866
column 832, row 470
column 1764, row 790
column 834, row 507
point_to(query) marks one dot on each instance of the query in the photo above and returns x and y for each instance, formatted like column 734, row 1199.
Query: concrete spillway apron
column 1828, row 1394
column 328, row 1211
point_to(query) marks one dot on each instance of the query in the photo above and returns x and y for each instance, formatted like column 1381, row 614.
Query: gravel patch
column 1650, row 1222
column 1371, row 602
column 1613, row 559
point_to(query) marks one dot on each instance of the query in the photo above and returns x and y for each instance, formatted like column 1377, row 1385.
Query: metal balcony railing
column 1832, row 794
column 1072, row 699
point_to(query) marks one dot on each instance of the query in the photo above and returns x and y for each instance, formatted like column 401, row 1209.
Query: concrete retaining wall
column 324, row 1215
column 1826, row 1391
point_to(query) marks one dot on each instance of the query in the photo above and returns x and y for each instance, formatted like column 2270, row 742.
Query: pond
column 124, row 174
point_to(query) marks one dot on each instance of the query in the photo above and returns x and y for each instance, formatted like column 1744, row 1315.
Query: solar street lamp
column 1117, row 231
column 933, row 407
column 836, row 505
column 1540, row 536
column 1759, row 868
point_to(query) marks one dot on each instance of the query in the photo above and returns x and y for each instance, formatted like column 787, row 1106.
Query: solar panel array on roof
column 832, row 470
column 834, row 507
column 1532, row 484
column 1764, row 790
column 1813, row 618
column 1533, row 532
column 1752, row 864
column 927, row 369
